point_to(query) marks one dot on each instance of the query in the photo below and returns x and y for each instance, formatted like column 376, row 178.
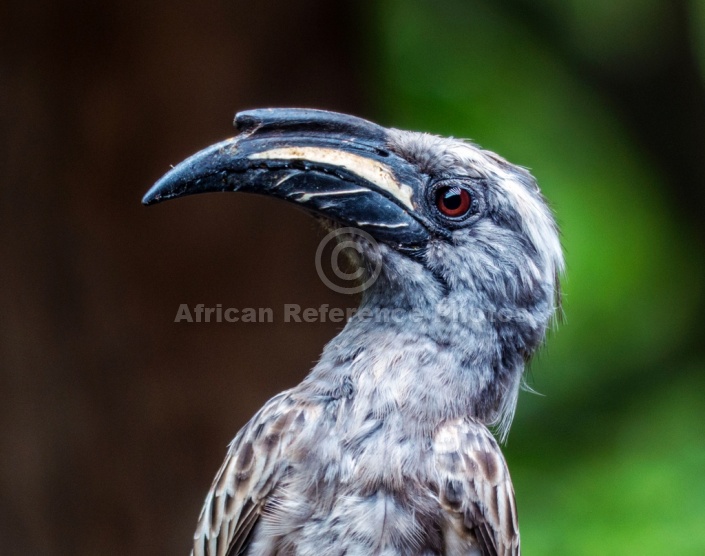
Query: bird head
column 457, row 232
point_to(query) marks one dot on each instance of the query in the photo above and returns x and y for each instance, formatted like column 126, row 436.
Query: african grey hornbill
column 383, row 448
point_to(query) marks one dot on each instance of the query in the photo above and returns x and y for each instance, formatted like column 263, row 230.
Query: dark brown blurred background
column 114, row 419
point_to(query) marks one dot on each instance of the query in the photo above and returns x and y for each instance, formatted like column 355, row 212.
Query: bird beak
column 333, row 165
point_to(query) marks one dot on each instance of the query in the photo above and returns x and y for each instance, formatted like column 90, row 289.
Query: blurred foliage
column 610, row 459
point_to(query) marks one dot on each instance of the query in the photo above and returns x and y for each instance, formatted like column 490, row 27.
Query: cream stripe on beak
column 365, row 168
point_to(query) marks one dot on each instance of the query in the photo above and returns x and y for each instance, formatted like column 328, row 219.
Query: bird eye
column 454, row 201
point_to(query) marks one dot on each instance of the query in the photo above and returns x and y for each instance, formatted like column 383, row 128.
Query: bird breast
column 363, row 488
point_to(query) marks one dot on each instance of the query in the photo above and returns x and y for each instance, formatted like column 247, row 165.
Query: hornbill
column 384, row 447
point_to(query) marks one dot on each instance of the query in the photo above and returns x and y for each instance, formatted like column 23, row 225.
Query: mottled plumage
column 384, row 447
column 451, row 496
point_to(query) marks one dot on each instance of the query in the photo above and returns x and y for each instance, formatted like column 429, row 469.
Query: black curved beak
column 333, row 165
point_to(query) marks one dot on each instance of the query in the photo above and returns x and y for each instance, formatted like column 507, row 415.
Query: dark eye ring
column 454, row 201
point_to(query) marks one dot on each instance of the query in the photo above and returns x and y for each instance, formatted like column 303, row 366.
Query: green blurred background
column 113, row 419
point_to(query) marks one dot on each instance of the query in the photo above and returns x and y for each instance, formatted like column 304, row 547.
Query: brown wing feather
column 253, row 466
column 475, row 488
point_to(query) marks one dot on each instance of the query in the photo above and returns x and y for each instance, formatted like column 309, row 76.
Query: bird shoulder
column 475, row 489
column 255, row 463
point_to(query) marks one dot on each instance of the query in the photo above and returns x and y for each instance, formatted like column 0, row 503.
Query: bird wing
column 475, row 490
column 251, row 470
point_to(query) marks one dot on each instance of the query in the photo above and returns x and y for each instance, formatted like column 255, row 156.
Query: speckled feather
column 455, row 498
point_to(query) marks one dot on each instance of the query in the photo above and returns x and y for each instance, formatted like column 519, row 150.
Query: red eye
column 453, row 201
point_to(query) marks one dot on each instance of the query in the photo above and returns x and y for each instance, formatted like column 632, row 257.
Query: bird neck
column 421, row 360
